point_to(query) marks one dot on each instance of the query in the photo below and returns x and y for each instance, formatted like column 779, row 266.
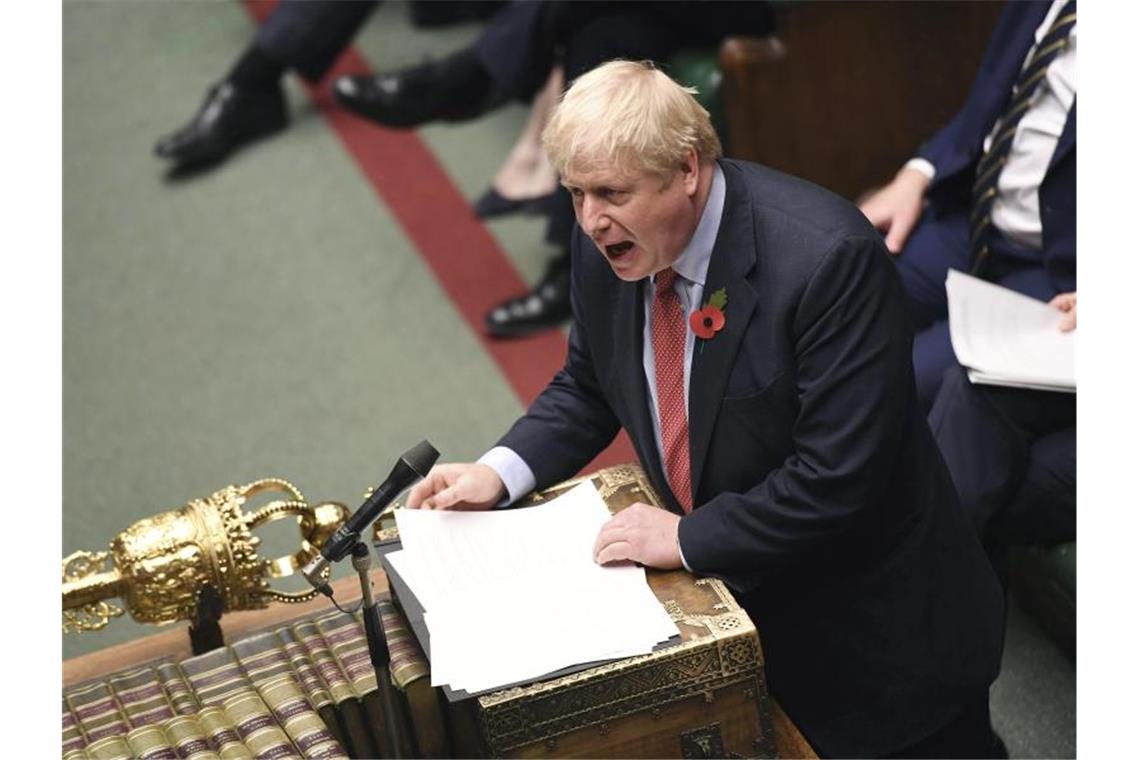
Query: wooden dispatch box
column 703, row 697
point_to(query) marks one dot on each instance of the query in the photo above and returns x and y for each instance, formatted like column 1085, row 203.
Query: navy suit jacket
column 957, row 147
column 821, row 498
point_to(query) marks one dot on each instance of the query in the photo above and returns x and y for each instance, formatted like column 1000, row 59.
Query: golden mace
column 158, row 565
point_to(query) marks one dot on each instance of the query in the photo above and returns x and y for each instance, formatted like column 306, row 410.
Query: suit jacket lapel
column 733, row 257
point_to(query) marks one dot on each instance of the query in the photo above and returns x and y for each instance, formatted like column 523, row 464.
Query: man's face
column 640, row 222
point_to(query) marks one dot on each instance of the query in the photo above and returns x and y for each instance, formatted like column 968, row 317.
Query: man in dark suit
column 747, row 330
column 998, row 183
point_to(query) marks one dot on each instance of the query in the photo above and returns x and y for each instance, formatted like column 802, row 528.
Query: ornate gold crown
column 158, row 565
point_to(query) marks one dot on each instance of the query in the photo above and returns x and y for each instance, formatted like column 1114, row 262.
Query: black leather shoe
column 547, row 306
column 228, row 119
column 492, row 203
column 457, row 88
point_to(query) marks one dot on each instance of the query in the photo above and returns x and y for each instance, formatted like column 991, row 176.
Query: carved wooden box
column 703, row 697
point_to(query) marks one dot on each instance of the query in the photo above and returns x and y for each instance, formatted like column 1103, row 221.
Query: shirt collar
column 693, row 263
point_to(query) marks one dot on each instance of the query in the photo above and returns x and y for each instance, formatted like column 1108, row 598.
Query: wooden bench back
column 845, row 92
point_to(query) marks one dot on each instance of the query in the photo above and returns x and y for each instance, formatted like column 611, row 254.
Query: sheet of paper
column 1006, row 338
column 989, row 378
column 512, row 595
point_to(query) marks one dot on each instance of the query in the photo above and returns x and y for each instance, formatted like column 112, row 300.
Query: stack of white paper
column 512, row 595
column 1005, row 338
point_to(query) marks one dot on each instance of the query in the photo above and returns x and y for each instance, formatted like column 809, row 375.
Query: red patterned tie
column 672, row 412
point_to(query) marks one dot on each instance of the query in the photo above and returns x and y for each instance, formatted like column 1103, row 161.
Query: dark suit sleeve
column 855, row 388
column 571, row 421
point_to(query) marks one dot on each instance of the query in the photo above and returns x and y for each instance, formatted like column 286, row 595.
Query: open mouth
column 617, row 250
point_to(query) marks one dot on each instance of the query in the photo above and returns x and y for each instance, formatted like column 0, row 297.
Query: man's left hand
column 640, row 533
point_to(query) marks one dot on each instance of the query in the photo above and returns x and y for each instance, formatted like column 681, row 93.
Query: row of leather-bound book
column 306, row 689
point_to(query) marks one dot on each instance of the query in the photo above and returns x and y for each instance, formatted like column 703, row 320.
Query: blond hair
column 630, row 115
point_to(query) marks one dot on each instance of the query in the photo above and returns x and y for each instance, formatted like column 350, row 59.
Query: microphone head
column 420, row 458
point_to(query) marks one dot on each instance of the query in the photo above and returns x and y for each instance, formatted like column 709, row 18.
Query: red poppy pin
column 709, row 319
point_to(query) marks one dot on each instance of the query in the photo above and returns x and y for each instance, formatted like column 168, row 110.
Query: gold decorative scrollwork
column 90, row 617
column 676, row 612
column 94, row 615
column 82, row 564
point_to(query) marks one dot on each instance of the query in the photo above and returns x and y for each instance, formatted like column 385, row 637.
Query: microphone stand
column 378, row 649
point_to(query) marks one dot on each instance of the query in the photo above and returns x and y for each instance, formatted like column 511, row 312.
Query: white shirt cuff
column 922, row 166
column 682, row 553
column 512, row 470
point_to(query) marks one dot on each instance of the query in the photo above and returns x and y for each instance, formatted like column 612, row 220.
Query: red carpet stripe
column 465, row 258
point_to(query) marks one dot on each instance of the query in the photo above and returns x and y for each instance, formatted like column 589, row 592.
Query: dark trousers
column 969, row 735
column 937, row 245
column 307, row 36
column 1012, row 454
column 525, row 39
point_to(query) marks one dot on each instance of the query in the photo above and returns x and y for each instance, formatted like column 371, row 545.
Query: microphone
column 412, row 465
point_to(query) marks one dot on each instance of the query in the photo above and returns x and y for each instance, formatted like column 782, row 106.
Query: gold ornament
column 158, row 565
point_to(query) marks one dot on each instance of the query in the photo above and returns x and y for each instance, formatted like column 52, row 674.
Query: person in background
column 249, row 103
column 302, row 36
column 993, row 192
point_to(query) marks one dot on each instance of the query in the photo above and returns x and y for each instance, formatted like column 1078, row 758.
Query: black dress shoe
column 228, row 119
column 493, row 203
column 547, row 306
column 457, row 88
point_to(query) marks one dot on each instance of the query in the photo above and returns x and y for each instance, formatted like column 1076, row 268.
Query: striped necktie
column 669, row 332
column 989, row 167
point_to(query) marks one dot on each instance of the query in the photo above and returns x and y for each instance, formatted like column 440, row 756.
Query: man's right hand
column 458, row 486
column 895, row 209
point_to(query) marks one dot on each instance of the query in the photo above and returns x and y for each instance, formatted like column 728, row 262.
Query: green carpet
column 268, row 318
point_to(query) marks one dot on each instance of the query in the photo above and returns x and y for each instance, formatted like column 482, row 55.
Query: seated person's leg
column 308, row 37
column 937, row 245
column 511, row 59
column 548, row 303
column 1012, row 455
column 625, row 32
column 985, row 454
column 1044, row 510
column 1029, row 278
column 932, row 356
column 249, row 103
column 526, row 179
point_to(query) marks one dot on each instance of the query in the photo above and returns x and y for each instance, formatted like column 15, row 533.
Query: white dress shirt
column 1015, row 211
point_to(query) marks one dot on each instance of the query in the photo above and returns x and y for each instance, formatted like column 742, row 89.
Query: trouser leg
column 307, row 36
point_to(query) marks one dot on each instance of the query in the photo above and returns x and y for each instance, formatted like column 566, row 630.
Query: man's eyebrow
column 612, row 186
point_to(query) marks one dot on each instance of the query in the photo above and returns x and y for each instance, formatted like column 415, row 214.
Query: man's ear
column 690, row 171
